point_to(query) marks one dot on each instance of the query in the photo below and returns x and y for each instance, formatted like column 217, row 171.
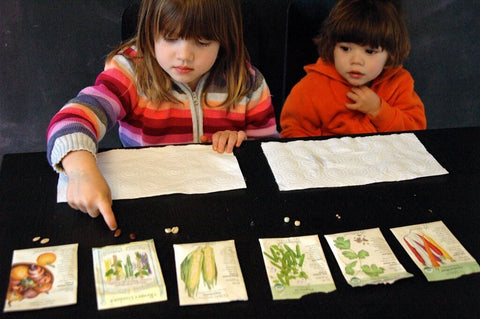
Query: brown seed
column 117, row 233
column 132, row 236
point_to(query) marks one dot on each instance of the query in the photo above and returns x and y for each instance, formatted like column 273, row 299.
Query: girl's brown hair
column 217, row 20
column 376, row 23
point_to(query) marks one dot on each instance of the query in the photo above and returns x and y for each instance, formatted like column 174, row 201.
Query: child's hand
column 87, row 189
column 365, row 100
column 224, row 141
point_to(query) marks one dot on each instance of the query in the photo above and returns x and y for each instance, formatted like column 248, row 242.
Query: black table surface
column 28, row 208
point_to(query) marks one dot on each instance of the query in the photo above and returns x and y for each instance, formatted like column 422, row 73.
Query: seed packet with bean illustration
column 208, row 273
column 128, row 274
column 365, row 258
column 436, row 251
column 296, row 266
column 42, row 277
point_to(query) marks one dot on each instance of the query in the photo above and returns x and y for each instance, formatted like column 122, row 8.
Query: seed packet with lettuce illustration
column 128, row 274
column 436, row 251
column 365, row 258
column 296, row 266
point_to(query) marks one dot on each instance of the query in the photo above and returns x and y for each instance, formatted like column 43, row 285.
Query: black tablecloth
column 28, row 208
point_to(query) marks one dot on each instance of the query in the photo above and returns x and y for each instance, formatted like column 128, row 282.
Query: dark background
column 52, row 49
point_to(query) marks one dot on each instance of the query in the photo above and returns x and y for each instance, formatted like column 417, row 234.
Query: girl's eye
column 344, row 48
column 170, row 39
column 203, row 43
column 371, row 51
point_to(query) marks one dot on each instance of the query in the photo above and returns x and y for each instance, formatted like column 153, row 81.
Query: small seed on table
column 132, row 236
column 286, row 219
column 175, row 230
column 117, row 233
column 297, row 223
column 168, row 230
column 36, row 238
column 44, row 240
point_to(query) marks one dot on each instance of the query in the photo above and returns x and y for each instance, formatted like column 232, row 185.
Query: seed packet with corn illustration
column 365, row 258
column 208, row 273
column 436, row 251
column 296, row 266
column 128, row 274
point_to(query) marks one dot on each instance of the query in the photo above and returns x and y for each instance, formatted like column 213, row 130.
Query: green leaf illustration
column 362, row 254
column 341, row 243
column 373, row 270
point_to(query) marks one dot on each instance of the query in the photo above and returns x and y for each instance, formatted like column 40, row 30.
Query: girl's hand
column 225, row 141
column 364, row 100
column 87, row 189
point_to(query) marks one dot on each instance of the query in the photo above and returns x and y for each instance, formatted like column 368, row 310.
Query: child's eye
column 170, row 39
column 344, row 48
column 371, row 51
column 203, row 43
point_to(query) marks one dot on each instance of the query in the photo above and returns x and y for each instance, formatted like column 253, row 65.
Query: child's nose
column 357, row 58
column 184, row 50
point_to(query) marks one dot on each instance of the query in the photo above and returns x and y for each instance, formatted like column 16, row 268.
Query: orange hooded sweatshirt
column 316, row 104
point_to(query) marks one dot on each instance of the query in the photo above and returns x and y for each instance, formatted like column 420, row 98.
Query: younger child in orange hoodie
column 358, row 84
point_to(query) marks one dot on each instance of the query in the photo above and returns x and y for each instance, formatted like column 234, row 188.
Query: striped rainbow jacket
column 84, row 120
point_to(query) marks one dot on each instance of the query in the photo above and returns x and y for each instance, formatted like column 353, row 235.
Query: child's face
column 359, row 64
column 186, row 60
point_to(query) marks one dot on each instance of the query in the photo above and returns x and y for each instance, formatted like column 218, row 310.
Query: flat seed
column 175, row 230
column 286, row 219
column 297, row 223
column 44, row 241
column 117, row 233
column 36, row 238
column 132, row 236
column 168, row 230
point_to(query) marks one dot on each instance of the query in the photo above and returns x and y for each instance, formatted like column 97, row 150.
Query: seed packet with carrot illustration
column 436, row 251
column 365, row 258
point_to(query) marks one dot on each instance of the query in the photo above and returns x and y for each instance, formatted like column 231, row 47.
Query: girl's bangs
column 372, row 32
column 189, row 21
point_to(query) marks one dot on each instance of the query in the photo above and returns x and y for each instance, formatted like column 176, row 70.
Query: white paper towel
column 145, row 172
column 349, row 161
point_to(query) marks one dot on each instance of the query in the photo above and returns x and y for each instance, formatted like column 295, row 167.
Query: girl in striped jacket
column 184, row 78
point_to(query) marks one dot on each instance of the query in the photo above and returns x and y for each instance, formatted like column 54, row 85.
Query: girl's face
column 186, row 60
column 359, row 64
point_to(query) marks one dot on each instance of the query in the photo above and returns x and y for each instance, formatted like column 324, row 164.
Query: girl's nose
column 356, row 58
column 184, row 50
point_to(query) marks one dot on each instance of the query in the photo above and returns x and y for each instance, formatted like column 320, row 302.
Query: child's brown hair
column 376, row 23
column 217, row 20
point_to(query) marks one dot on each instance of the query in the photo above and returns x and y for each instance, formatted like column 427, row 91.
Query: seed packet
column 128, row 274
column 296, row 266
column 208, row 273
column 42, row 277
column 365, row 258
column 436, row 251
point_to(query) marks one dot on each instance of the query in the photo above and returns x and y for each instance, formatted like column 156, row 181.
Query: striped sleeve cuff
column 68, row 143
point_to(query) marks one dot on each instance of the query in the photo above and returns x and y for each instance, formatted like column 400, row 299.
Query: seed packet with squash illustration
column 128, row 274
column 296, row 266
column 208, row 273
column 436, row 251
column 365, row 258
column 42, row 277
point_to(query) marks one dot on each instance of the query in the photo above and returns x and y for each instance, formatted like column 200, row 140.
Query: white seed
column 44, row 240
column 36, row 238
column 168, row 230
column 175, row 230
column 297, row 223
column 286, row 219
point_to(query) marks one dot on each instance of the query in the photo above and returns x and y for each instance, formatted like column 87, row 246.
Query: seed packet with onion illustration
column 365, row 258
column 42, row 277
column 436, row 251
column 128, row 274
column 296, row 266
